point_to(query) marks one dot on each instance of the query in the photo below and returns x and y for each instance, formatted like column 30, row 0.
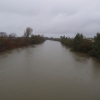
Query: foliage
column 11, row 41
column 78, row 43
column 96, row 46
column 66, row 40
column 78, row 39
column 35, row 39
column 85, row 46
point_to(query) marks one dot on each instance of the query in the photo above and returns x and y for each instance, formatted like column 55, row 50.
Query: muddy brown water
column 48, row 71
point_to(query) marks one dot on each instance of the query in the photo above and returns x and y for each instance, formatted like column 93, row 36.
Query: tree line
column 11, row 41
column 82, row 44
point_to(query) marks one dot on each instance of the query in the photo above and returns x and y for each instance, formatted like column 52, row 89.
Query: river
column 48, row 71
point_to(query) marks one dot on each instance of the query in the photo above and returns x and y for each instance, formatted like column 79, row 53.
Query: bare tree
column 28, row 32
column 3, row 34
column 12, row 35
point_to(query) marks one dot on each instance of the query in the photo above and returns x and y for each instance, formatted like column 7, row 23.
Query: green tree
column 96, row 46
column 85, row 46
column 78, row 39
column 63, row 39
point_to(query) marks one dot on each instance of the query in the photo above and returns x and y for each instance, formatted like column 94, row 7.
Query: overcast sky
column 50, row 17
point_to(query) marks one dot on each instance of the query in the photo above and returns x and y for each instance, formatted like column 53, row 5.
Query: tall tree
column 78, row 39
column 96, row 46
column 28, row 32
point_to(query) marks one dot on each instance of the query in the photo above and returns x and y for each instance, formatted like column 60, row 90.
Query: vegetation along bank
column 82, row 44
column 11, row 41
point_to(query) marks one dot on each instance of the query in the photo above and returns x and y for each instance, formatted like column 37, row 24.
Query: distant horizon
column 53, row 35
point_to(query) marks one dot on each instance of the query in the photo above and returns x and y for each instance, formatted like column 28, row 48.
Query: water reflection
column 64, row 46
column 81, row 57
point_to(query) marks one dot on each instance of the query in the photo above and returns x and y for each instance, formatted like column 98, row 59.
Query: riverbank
column 86, row 53
column 11, row 41
column 8, row 43
column 82, row 44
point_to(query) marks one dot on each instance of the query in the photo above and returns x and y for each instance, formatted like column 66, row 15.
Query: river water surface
column 48, row 71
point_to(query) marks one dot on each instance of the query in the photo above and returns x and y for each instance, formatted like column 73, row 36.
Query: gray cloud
column 50, row 17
